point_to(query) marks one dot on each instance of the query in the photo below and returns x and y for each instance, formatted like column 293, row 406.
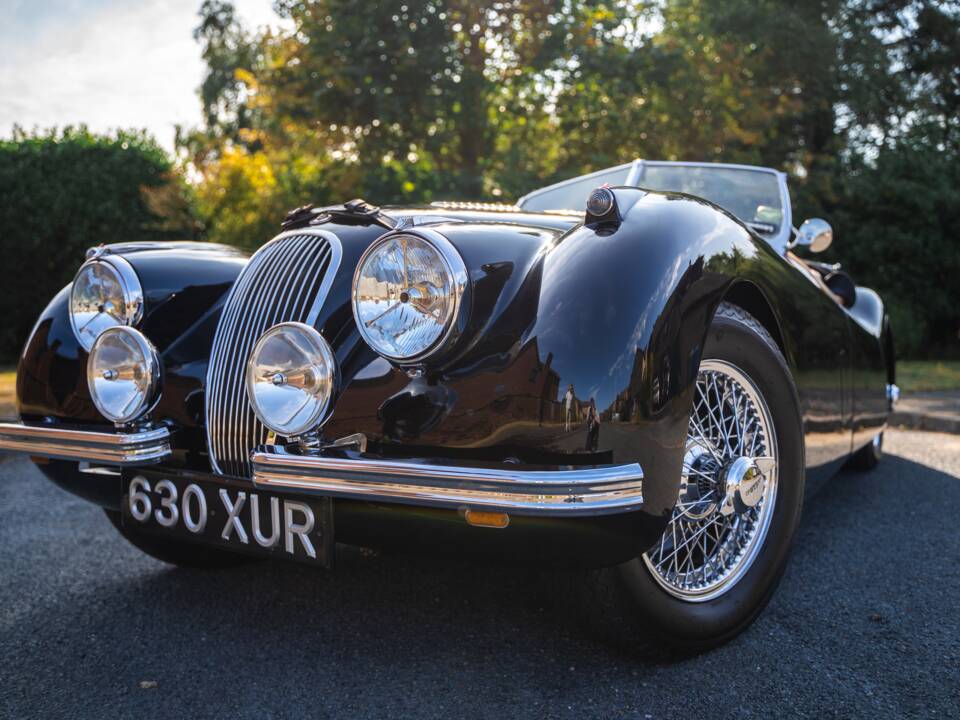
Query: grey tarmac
column 865, row 624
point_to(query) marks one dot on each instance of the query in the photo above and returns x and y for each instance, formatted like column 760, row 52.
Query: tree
column 900, row 70
column 896, row 231
column 414, row 100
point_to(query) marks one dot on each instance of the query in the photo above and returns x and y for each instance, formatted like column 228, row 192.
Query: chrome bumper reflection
column 107, row 448
column 591, row 491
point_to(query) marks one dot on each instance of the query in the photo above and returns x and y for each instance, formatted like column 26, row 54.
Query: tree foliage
column 900, row 216
column 415, row 100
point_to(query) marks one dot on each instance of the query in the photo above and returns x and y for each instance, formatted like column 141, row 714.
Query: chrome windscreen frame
column 122, row 449
column 575, row 492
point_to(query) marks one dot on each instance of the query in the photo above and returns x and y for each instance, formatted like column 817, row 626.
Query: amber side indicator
column 486, row 519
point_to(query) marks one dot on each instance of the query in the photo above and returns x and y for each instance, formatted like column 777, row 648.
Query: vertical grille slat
column 266, row 316
column 253, row 324
column 240, row 343
column 287, row 280
column 296, row 285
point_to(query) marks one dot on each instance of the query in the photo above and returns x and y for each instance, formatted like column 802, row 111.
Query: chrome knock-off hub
column 707, row 486
column 699, row 489
column 744, row 481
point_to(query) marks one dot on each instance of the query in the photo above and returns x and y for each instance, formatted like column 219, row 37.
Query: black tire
column 631, row 607
column 868, row 457
column 176, row 552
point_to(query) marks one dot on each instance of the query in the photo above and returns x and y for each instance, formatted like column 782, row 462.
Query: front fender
column 184, row 285
column 623, row 316
column 616, row 315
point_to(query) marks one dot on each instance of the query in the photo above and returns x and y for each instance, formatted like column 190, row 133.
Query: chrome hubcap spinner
column 744, row 481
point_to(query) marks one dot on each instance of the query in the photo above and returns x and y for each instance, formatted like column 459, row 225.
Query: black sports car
column 630, row 373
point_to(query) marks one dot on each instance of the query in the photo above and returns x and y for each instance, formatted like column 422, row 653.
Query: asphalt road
column 865, row 623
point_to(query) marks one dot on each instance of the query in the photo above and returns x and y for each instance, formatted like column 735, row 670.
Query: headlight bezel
column 458, row 276
column 130, row 288
column 332, row 378
column 151, row 368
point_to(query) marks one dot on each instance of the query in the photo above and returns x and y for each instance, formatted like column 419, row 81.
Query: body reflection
column 568, row 408
column 593, row 427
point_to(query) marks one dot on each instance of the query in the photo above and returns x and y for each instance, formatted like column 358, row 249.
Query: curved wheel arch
column 750, row 298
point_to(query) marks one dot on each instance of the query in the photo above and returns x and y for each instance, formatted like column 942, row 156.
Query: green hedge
column 65, row 191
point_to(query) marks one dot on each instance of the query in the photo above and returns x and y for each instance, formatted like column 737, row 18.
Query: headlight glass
column 106, row 293
column 291, row 376
column 406, row 295
column 123, row 374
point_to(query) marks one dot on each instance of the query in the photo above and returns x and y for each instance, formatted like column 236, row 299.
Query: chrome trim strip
column 478, row 206
column 589, row 491
column 108, row 448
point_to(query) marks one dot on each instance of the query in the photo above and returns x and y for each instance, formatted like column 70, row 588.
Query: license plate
column 230, row 513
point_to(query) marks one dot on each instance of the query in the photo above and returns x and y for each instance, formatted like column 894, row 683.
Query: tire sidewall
column 713, row 621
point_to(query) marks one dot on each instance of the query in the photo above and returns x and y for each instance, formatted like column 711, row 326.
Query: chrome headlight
column 291, row 376
column 123, row 374
column 407, row 294
column 106, row 293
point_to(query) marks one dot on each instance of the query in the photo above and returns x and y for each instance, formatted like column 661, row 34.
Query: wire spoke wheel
column 727, row 491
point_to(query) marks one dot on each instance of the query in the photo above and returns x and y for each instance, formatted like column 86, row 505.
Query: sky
column 105, row 63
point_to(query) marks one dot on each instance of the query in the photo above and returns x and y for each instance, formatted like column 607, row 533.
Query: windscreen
column 573, row 195
column 751, row 195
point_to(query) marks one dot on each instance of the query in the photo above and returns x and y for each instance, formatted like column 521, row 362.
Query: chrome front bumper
column 105, row 448
column 591, row 491
column 588, row 491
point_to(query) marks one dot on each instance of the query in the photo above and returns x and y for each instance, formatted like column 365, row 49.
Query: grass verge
column 8, row 387
column 912, row 376
column 8, row 381
column 927, row 375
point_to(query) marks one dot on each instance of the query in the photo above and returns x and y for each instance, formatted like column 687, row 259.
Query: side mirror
column 815, row 234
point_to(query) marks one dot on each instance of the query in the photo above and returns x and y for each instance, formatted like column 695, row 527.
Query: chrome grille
column 285, row 280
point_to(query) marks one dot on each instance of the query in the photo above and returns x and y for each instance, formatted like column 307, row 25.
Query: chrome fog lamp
column 106, row 293
column 407, row 294
column 291, row 377
column 123, row 374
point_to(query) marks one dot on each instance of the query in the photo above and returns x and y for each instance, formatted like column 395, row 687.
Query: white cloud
column 106, row 63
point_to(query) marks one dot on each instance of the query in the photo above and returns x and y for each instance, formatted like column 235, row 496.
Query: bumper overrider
column 566, row 492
